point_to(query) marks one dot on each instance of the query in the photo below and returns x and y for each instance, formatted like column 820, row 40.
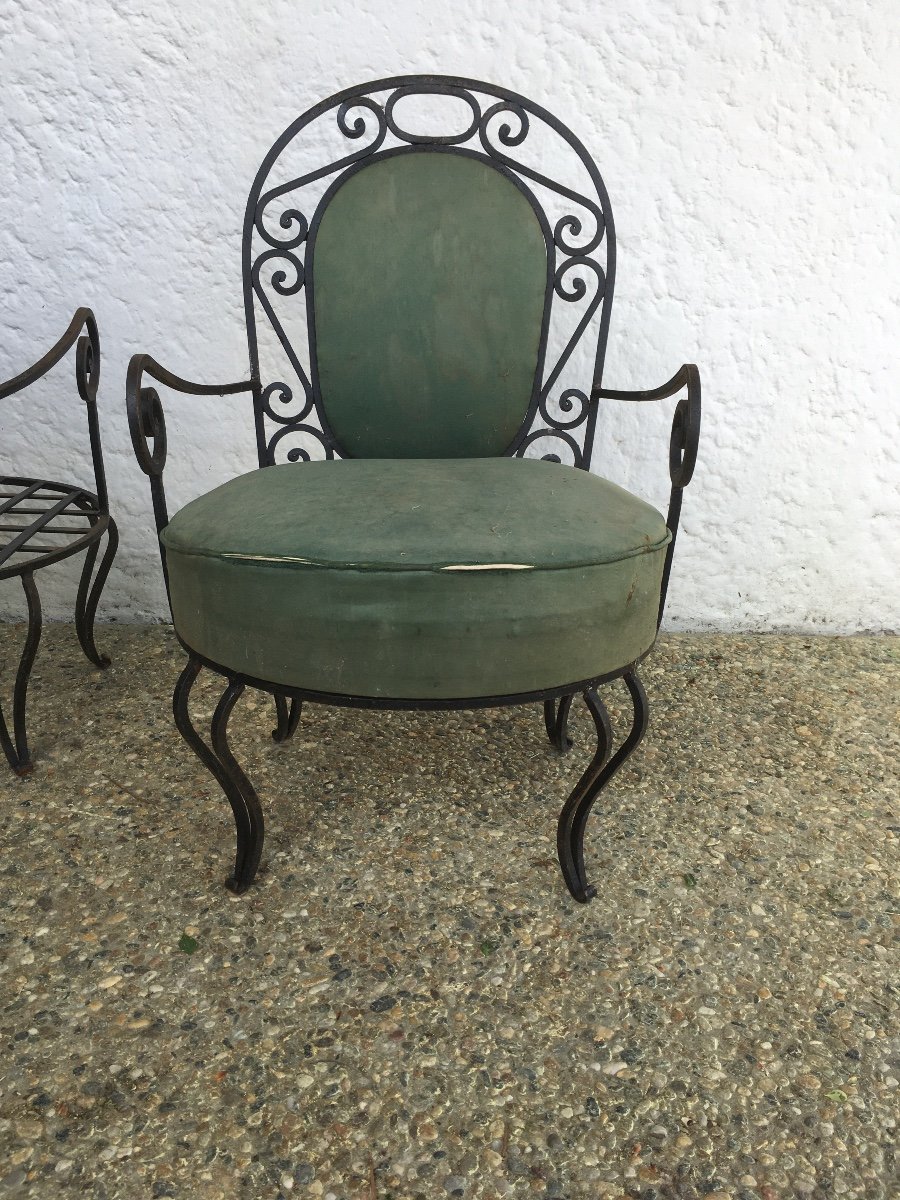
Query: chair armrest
column 683, row 443
column 87, row 367
column 147, row 422
column 87, row 379
column 685, row 437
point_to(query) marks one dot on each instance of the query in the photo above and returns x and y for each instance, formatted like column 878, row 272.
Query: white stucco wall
column 752, row 154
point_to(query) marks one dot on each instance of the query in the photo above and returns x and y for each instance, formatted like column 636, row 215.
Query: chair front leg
column 220, row 761
column 89, row 596
column 577, row 809
column 16, row 747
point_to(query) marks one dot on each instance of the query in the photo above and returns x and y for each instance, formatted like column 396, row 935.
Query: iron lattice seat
column 33, row 511
column 428, row 559
column 43, row 522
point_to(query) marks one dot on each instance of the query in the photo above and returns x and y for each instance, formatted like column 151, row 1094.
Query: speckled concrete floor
column 409, row 1005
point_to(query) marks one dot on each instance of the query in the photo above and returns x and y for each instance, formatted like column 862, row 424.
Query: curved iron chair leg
column 16, row 747
column 577, row 809
column 288, row 717
column 89, row 597
column 556, row 720
column 220, row 762
column 246, row 862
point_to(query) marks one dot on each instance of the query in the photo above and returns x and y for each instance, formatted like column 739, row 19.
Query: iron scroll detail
column 499, row 127
column 684, row 441
column 147, row 422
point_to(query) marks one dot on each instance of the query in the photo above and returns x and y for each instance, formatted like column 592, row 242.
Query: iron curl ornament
column 147, row 421
column 684, row 442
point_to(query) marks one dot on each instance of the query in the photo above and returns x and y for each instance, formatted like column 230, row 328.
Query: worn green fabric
column 417, row 579
column 428, row 276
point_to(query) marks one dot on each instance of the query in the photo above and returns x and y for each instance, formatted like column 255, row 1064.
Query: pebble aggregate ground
column 409, row 1005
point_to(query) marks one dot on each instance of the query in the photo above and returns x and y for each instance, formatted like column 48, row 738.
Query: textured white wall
column 752, row 154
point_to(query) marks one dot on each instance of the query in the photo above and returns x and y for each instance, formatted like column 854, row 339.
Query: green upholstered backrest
column 428, row 275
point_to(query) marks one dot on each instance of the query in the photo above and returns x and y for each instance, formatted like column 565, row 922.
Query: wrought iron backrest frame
column 87, row 380
column 564, row 416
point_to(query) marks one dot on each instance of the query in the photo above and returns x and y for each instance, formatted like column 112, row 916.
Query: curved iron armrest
column 683, row 443
column 147, row 423
column 87, row 379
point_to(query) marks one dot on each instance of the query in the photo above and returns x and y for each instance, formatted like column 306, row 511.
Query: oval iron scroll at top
column 426, row 139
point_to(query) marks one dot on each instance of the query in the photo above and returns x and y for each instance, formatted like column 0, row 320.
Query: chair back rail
column 370, row 242
column 87, row 379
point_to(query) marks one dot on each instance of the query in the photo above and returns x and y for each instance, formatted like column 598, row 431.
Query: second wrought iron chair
column 43, row 522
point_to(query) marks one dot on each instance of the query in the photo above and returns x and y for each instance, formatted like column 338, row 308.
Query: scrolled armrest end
column 685, row 437
column 146, row 420
column 87, row 360
column 683, row 442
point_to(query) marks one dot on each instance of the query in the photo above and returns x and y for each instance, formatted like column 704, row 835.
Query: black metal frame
column 547, row 417
column 501, row 123
column 52, row 506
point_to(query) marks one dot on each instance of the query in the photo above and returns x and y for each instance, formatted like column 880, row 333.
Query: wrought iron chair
column 421, row 555
column 42, row 522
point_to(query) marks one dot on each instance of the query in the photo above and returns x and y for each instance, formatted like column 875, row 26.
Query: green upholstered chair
column 427, row 314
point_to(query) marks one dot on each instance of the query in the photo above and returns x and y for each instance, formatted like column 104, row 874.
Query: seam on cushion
column 286, row 560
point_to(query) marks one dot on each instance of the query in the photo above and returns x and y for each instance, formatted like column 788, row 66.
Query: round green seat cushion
column 417, row 578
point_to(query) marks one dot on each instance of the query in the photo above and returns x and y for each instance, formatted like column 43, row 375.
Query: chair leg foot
column 219, row 760
column 556, row 721
column 288, row 712
column 15, row 747
column 577, row 809
column 237, row 885
column 89, row 596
